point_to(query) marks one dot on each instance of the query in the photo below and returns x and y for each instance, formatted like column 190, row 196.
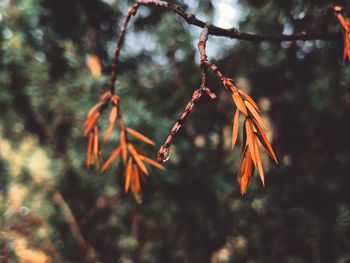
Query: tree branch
column 132, row 11
column 163, row 153
column 213, row 30
column 236, row 34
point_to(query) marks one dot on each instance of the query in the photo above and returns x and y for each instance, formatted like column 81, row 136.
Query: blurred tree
column 53, row 209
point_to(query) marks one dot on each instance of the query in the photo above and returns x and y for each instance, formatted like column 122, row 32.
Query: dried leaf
column 94, row 108
column 106, row 96
column 343, row 22
column 151, row 162
column 88, row 120
column 265, row 141
column 250, row 138
column 246, row 172
column 108, row 132
column 111, row 158
column 259, row 162
column 137, row 158
column 96, row 141
column 249, row 172
column 112, row 120
column 235, row 128
column 89, row 150
column 94, row 65
column 239, row 103
column 242, row 166
column 346, row 54
column 123, row 145
column 140, row 136
column 244, row 139
column 248, row 98
column 113, row 115
column 137, row 185
column 96, row 161
column 246, row 175
column 255, row 114
column 91, row 123
column 128, row 173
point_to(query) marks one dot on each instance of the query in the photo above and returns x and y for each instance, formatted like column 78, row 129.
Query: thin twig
column 236, row 34
column 163, row 153
column 164, row 150
column 132, row 11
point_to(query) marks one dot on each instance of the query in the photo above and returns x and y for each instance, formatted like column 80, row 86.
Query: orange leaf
column 248, row 98
column 259, row 162
column 245, row 173
column 235, row 128
column 239, row 103
column 94, row 108
column 244, row 182
column 112, row 119
column 106, row 96
column 250, row 137
column 136, row 183
column 346, row 54
column 89, row 150
column 108, row 132
column 95, row 141
column 255, row 114
column 242, row 166
column 88, row 120
column 123, row 145
column 94, row 65
column 244, row 138
column 111, row 158
column 135, row 186
column 113, row 115
column 128, row 173
column 265, row 141
column 140, row 136
column 151, row 162
column 91, row 123
column 343, row 22
column 137, row 158
column 248, row 173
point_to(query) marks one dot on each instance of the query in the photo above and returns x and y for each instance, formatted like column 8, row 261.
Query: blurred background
column 54, row 209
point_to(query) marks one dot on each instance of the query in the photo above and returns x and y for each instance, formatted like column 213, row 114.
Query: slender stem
column 162, row 156
column 195, row 97
column 203, row 56
column 236, row 34
column 132, row 11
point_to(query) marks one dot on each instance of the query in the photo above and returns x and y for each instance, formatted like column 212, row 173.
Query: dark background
column 53, row 208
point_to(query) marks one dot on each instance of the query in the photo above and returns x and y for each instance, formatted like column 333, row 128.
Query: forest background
column 54, row 209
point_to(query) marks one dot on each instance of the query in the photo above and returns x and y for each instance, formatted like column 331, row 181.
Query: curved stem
column 132, row 11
